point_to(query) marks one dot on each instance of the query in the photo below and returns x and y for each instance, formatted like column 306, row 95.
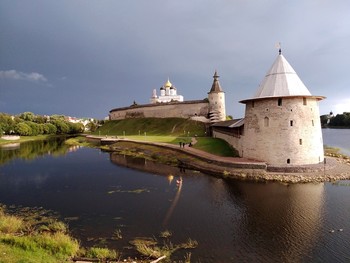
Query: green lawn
column 215, row 146
column 152, row 126
column 207, row 144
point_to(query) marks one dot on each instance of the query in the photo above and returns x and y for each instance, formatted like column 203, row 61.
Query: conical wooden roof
column 216, row 87
column 281, row 80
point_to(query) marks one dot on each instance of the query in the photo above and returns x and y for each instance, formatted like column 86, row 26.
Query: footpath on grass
column 333, row 169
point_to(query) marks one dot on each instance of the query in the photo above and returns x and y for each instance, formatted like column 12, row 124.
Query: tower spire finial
column 279, row 46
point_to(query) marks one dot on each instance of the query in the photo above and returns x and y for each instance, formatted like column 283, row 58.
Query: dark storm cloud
column 98, row 55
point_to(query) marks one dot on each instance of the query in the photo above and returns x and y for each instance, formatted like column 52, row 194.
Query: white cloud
column 18, row 75
column 342, row 106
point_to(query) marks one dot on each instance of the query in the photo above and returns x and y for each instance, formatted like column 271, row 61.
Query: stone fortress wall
column 185, row 109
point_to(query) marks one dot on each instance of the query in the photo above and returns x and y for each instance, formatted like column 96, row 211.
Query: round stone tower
column 282, row 121
column 216, row 97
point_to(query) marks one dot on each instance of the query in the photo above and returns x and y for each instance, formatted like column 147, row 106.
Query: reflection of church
column 168, row 93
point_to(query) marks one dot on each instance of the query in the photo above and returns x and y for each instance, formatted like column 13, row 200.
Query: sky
column 82, row 58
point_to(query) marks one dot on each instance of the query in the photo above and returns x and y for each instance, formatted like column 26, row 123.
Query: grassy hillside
column 153, row 126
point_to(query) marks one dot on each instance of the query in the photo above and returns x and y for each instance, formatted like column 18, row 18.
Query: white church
column 168, row 93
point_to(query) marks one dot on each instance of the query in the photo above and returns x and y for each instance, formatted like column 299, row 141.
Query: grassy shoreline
column 33, row 235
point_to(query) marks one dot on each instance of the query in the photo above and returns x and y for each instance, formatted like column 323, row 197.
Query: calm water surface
column 339, row 138
column 232, row 221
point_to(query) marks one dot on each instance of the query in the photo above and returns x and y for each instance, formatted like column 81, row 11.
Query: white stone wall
column 235, row 142
column 217, row 103
column 168, row 110
column 286, row 134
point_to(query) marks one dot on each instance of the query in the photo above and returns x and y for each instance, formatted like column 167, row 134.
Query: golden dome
column 168, row 84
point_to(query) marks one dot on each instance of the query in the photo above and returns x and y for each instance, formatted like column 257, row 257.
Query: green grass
column 31, row 236
column 167, row 130
column 164, row 139
column 153, row 126
column 215, row 146
column 22, row 241
column 207, row 144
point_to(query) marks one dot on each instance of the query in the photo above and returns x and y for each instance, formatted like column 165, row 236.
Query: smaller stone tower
column 216, row 97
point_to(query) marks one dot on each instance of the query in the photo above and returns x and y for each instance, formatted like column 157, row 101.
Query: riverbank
column 335, row 167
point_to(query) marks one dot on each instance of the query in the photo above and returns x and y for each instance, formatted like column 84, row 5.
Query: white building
column 168, row 93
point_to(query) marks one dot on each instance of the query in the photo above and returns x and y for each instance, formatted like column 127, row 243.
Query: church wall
column 282, row 131
column 166, row 110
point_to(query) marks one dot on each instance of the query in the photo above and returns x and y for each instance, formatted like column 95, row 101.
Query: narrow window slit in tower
column 291, row 123
column 304, row 101
column 279, row 102
column 266, row 122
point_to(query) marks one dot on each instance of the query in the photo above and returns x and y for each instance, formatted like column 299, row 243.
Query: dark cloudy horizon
column 83, row 58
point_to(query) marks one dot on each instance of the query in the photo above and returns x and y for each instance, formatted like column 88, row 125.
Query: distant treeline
column 340, row 120
column 29, row 124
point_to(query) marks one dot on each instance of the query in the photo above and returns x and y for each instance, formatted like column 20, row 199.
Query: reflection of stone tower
column 289, row 220
column 282, row 121
column 216, row 96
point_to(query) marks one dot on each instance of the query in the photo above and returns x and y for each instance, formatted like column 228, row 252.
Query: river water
column 339, row 138
column 98, row 193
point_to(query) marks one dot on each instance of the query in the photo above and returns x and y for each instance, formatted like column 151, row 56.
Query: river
column 339, row 138
column 98, row 193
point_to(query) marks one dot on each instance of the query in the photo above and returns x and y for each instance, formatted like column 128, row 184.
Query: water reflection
column 281, row 223
column 34, row 149
column 145, row 165
column 173, row 203
column 233, row 221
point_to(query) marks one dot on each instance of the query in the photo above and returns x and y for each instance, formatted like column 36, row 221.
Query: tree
column 40, row 119
column 23, row 129
column 27, row 116
column 50, row 128
column 75, row 127
column 34, row 127
column 91, row 126
column 324, row 120
column 7, row 123
column 62, row 126
column 338, row 120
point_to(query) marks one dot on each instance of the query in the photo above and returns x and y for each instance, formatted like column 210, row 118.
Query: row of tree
column 29, row 124
column 340, row 120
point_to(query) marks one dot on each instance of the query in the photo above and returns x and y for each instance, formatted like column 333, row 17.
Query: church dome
column 168, row 84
